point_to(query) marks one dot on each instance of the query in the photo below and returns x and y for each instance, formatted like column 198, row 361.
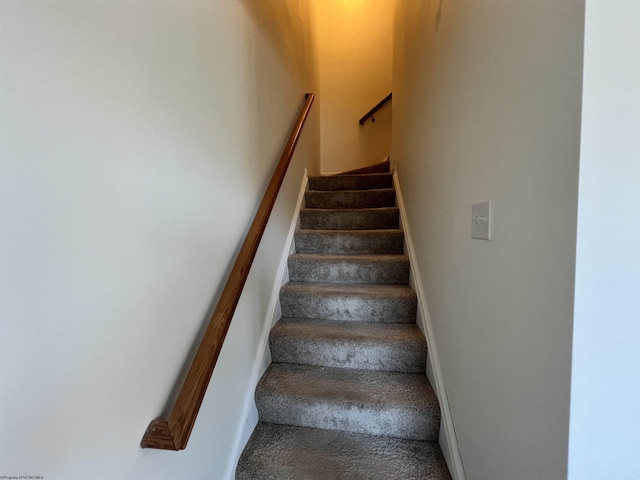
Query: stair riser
column 349, row 243
column 345, row 271
column 392, row 422
column 351, row 182
column 382, row 218
column 352, row 199
column 346, row 354
column 348, row 307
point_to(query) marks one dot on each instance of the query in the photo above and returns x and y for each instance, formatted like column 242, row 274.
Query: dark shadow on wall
column 438, row 17
column 282, row 55
column 287, row 27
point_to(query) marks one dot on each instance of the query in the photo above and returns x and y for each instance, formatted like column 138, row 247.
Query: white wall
column 136, row 139
column 354, row 66
column 487, row 99
column 605, row 393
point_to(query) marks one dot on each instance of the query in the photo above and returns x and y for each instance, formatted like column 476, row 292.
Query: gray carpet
column 378, row 403
column 351, row 182
column 347, row 396
column 349, row 242
column 277, row 452
column 385, row 197
column 395, row 347
column 379, row 269
column 336, row 301
column 349, row 218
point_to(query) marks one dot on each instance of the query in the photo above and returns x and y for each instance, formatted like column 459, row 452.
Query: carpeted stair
column 346, row 396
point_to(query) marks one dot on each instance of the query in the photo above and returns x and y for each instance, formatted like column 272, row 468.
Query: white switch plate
column 481, row 220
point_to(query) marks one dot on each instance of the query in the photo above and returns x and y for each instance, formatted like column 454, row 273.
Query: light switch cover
column 481, row 220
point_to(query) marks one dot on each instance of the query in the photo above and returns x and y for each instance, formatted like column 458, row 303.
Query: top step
column 381, row 167
column 351, row 182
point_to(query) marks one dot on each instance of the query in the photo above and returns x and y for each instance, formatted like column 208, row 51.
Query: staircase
column 346, row 396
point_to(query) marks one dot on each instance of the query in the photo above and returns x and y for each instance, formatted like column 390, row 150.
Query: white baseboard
column 449, row 444
column 263, row 355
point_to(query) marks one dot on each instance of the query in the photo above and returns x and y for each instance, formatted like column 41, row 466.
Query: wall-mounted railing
column 173, row 433
column 370, row 114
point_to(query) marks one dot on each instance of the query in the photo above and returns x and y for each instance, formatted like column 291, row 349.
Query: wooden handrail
column 173, row 433
column 370, row 113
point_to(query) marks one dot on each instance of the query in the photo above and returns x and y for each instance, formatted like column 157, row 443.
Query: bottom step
column 277, row 452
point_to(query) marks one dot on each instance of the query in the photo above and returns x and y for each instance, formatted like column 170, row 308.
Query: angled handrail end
column 158, row 436
column 173, row 433
column 371, row 113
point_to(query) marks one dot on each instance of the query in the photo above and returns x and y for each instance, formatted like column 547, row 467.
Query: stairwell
column 346, row 396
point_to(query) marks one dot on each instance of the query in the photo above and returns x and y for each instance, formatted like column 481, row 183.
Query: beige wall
column 354, row 64
column 487, row 98
column 136, row 139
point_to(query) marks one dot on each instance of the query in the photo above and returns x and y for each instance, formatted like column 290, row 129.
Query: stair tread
column 354, row 387
column 347, row 175
column 393, row 404
column 356, row 258
column 350, row 242
column 350, row 332
column 281, row 451
column 392, row 347
column 341, row 199
column 359, row 211
column 350, row 218
column 360, row 290
column 358, row 191
column 351, row 182
column 380, row 269
column 357, row 302
column 343, row 231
